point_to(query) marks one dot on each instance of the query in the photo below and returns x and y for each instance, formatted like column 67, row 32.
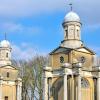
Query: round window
column 82, row 59
column 61, row 59
column 84, row 83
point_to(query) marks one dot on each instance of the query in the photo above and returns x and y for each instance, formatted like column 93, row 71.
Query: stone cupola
column 72, row 30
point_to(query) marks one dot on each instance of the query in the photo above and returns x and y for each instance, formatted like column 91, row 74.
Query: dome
column 71, row 16
column 5, row 43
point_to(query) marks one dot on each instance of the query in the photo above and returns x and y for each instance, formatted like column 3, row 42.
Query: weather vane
column 71, row 6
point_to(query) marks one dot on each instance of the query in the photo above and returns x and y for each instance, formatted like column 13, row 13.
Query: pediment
column 9, row 67
column 60, row 50
column 85, row 50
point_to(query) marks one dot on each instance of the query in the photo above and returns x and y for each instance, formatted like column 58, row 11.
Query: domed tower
column 10, row 83
column 70, row 74
column 5, row 53
column 72, row 31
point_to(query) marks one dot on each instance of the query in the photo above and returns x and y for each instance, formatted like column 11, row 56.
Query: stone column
column 1, row 82
column 47, row 74
column 65, row 66
column 72, row 88
column 79, row 66
column 19, row 89
column 65, row 87
column 98, row 86
column 45, row 91
column 79, row 87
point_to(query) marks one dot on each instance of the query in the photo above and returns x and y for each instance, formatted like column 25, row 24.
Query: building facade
column 10, row 83
column 73, row 73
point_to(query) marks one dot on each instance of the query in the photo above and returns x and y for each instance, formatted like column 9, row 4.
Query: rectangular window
column 6, row 97
column 7, row 54
column 77, row 33
column 66, row 34
column 8, row 74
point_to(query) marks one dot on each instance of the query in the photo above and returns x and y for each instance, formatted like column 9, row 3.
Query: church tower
column 72, row 31
column 5, row 53
column 10, row 83
column 72, row 74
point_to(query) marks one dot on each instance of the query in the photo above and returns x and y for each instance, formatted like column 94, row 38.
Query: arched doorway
column 58, row 89
column 87, row 89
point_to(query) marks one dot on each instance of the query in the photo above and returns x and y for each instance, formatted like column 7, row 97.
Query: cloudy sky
column 35, row 26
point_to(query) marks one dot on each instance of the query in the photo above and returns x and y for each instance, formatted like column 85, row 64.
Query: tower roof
column 5, row 43
column 71, row 17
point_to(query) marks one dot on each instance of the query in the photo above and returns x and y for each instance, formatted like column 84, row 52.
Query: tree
column 31, row 74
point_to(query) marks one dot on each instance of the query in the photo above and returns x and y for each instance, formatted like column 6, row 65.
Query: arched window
column 84, row 83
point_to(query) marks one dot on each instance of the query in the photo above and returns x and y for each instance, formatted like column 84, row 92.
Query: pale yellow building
column 10, row 83
column 73, row 73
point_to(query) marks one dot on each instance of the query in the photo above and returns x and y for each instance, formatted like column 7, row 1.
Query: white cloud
column 25, row 51
column 11, row 27
column 28, row 7
column 18, row 53
column 89, row 10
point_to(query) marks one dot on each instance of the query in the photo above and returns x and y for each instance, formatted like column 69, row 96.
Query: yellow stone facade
column 10, row 83
column 87, row 93
column 73, row 73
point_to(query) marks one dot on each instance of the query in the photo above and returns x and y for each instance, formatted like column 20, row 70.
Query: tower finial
column 5, row 36
column 71, row 6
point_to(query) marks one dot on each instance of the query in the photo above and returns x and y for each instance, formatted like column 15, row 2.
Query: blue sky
column 35, row 26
